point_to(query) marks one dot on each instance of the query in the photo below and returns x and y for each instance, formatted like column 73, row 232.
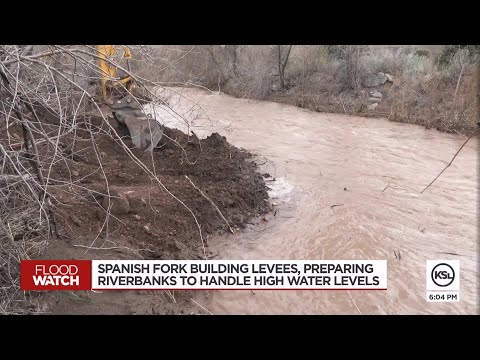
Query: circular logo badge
column 443, row 275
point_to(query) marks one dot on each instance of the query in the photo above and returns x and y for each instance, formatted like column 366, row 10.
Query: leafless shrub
column 50, row 101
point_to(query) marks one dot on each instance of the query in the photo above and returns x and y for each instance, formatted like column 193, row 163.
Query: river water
column 374, row 170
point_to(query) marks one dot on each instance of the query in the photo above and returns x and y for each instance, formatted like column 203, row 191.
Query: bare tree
column 217, row 62
column 282, row 63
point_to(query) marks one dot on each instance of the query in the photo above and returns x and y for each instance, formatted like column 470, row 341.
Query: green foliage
column 423, row 53
column 446, row 56
column 416, row 65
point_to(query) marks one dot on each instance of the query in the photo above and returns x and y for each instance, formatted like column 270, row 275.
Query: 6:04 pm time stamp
column 448, row 296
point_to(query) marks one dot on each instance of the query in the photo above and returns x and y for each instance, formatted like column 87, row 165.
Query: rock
column 100, row 214
column 144, row 202
column 250, row 226
column 76, row 220
column 421, row 103
column 75, row 173
column 180, row 246
column 389, row 78
column 115, row 161
column 373, row 99
column 199, row 80
column 146, row 229
column 104, row 154
column 372, row 106
column 119, row 203
column 374, row 80
column 376, row 94
column 289, row 84
column 136, row 217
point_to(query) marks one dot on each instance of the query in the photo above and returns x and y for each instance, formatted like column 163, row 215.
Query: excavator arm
column 108, row 70
column 145, row 132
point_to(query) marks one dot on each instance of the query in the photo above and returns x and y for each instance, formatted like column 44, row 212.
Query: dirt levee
column 143, row 214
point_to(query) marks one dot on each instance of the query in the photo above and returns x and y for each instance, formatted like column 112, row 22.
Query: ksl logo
column 55, row 275
column 443, row 275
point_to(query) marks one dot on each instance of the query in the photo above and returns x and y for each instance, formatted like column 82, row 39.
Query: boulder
column 421, row 103
column 374, row 79
column 376, row 94
column 372, row 106
column 119, row 203
column 389, row 78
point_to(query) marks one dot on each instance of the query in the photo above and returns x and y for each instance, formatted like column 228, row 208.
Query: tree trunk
column 235, row 59
column 282, row 65
column 353, row 60
column 282, row 81
column 221, row 75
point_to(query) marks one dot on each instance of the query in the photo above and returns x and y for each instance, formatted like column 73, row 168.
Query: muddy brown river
column 374, row 170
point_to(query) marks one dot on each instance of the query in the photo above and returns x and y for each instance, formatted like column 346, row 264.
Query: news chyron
column 442, row 276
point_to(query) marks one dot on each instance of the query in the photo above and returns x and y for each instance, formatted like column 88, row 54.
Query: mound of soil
column 112, row 201
column 145, row 214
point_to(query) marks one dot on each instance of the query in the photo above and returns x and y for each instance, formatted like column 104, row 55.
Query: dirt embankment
column 433, row 110
column 433, row 106
column 145, row 221
column 435, row 101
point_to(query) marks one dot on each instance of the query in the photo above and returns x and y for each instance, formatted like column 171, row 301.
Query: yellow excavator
column 145, row 132
column 109, row 70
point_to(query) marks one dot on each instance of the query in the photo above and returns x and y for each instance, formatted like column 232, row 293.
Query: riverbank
column 437, row 90
column 107, row 207
column 435, row 105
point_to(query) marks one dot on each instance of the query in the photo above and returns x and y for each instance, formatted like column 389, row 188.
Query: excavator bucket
column 145, row 132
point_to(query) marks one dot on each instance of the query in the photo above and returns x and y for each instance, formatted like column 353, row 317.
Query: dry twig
column 451, row 161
